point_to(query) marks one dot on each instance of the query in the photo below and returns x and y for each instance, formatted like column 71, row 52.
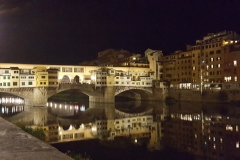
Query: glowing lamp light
column 82, row 108
column 135, row 140
column 94, row 129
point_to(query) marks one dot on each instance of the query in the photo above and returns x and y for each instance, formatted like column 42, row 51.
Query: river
column 135, row 129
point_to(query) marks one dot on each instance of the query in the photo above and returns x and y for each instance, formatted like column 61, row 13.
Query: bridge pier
column 40, row 96
column 108, row 96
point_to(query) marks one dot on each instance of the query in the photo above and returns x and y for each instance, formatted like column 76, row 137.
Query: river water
column 137, row 130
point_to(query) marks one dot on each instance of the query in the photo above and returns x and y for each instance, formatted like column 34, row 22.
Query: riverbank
column 17, row 144
column 118, row 150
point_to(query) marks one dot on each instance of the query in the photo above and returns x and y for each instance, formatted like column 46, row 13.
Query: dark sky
column 72, row 31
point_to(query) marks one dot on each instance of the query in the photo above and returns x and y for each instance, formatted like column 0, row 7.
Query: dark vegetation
column 38, row 132
column 118, row 150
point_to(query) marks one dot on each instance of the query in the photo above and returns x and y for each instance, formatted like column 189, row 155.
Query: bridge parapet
column 87, row 89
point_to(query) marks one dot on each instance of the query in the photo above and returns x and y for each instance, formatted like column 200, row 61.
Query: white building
column 27, row 78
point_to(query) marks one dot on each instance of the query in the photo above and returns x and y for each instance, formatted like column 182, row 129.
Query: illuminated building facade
column 207, row 62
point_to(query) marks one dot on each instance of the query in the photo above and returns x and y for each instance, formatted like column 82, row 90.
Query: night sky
column 73, row 31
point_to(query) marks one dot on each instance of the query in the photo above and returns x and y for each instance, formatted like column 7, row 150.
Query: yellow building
column 41, row 76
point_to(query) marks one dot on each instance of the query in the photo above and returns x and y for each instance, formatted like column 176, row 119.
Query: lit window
column 219, row 65
column 237, row 144
column 229, row 127
column 235, row 62
column 236, row 128
column 211, row 59
column 194, row 67
column 214, row 146
column 235, row 78
column 211, row 65
column 221, row 140
column 227, row 79
column 213, row 138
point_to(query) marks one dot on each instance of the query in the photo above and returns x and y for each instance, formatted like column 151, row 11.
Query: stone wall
column 206, row 96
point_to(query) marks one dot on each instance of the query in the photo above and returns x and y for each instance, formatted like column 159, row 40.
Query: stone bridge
column 38, row 96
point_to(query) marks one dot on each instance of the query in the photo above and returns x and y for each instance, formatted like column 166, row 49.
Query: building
column 207, row 62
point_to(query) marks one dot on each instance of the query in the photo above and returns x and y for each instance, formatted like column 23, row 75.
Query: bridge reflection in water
column 207, row 131
column 10, row 106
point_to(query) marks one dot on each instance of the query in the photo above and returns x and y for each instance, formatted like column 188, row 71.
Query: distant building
column 204, row 63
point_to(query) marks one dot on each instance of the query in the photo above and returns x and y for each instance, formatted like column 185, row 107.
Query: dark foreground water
column 186, row 130
column 118, row 150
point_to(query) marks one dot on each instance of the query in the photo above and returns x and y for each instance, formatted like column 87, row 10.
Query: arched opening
column 70, row 103
column 10, row 104
column 65, row 79
column 76, row 79
column 134, row 99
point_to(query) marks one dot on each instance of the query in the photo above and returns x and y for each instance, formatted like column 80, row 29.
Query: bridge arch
column 119, row 90
column 66, row 79
column 133, row 93
column 84, row 88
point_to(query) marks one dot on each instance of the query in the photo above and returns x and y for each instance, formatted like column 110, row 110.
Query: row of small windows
column 25, row 77
column 207, row 46
column 210, row 53
column 70, row 69
column 137, row 83
column 133, row 120
column 101, row 78
column 102, row 73
column 52, row 77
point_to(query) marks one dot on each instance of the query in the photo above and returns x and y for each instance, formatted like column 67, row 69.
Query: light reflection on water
column 10, row 106
column 205, row 130
column 65, row 109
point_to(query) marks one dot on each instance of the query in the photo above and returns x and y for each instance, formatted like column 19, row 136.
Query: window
column 235, row 62
column 67, row 69
column 218, row 65
column 229, row 127
column 237, row 144
column 211, row 65
column 4, row 77
column 218, row 72
column 81, row 70
column 29, row 83
column 218, row 58
column 14, row 83
column 235, row 79
column 4, row 83
column 8, row 83
column 23, row 83
column 211, row 59
column 15, row 72
column 218, row 51
column 43, row 77
column 6, row 71
column 211, row 52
